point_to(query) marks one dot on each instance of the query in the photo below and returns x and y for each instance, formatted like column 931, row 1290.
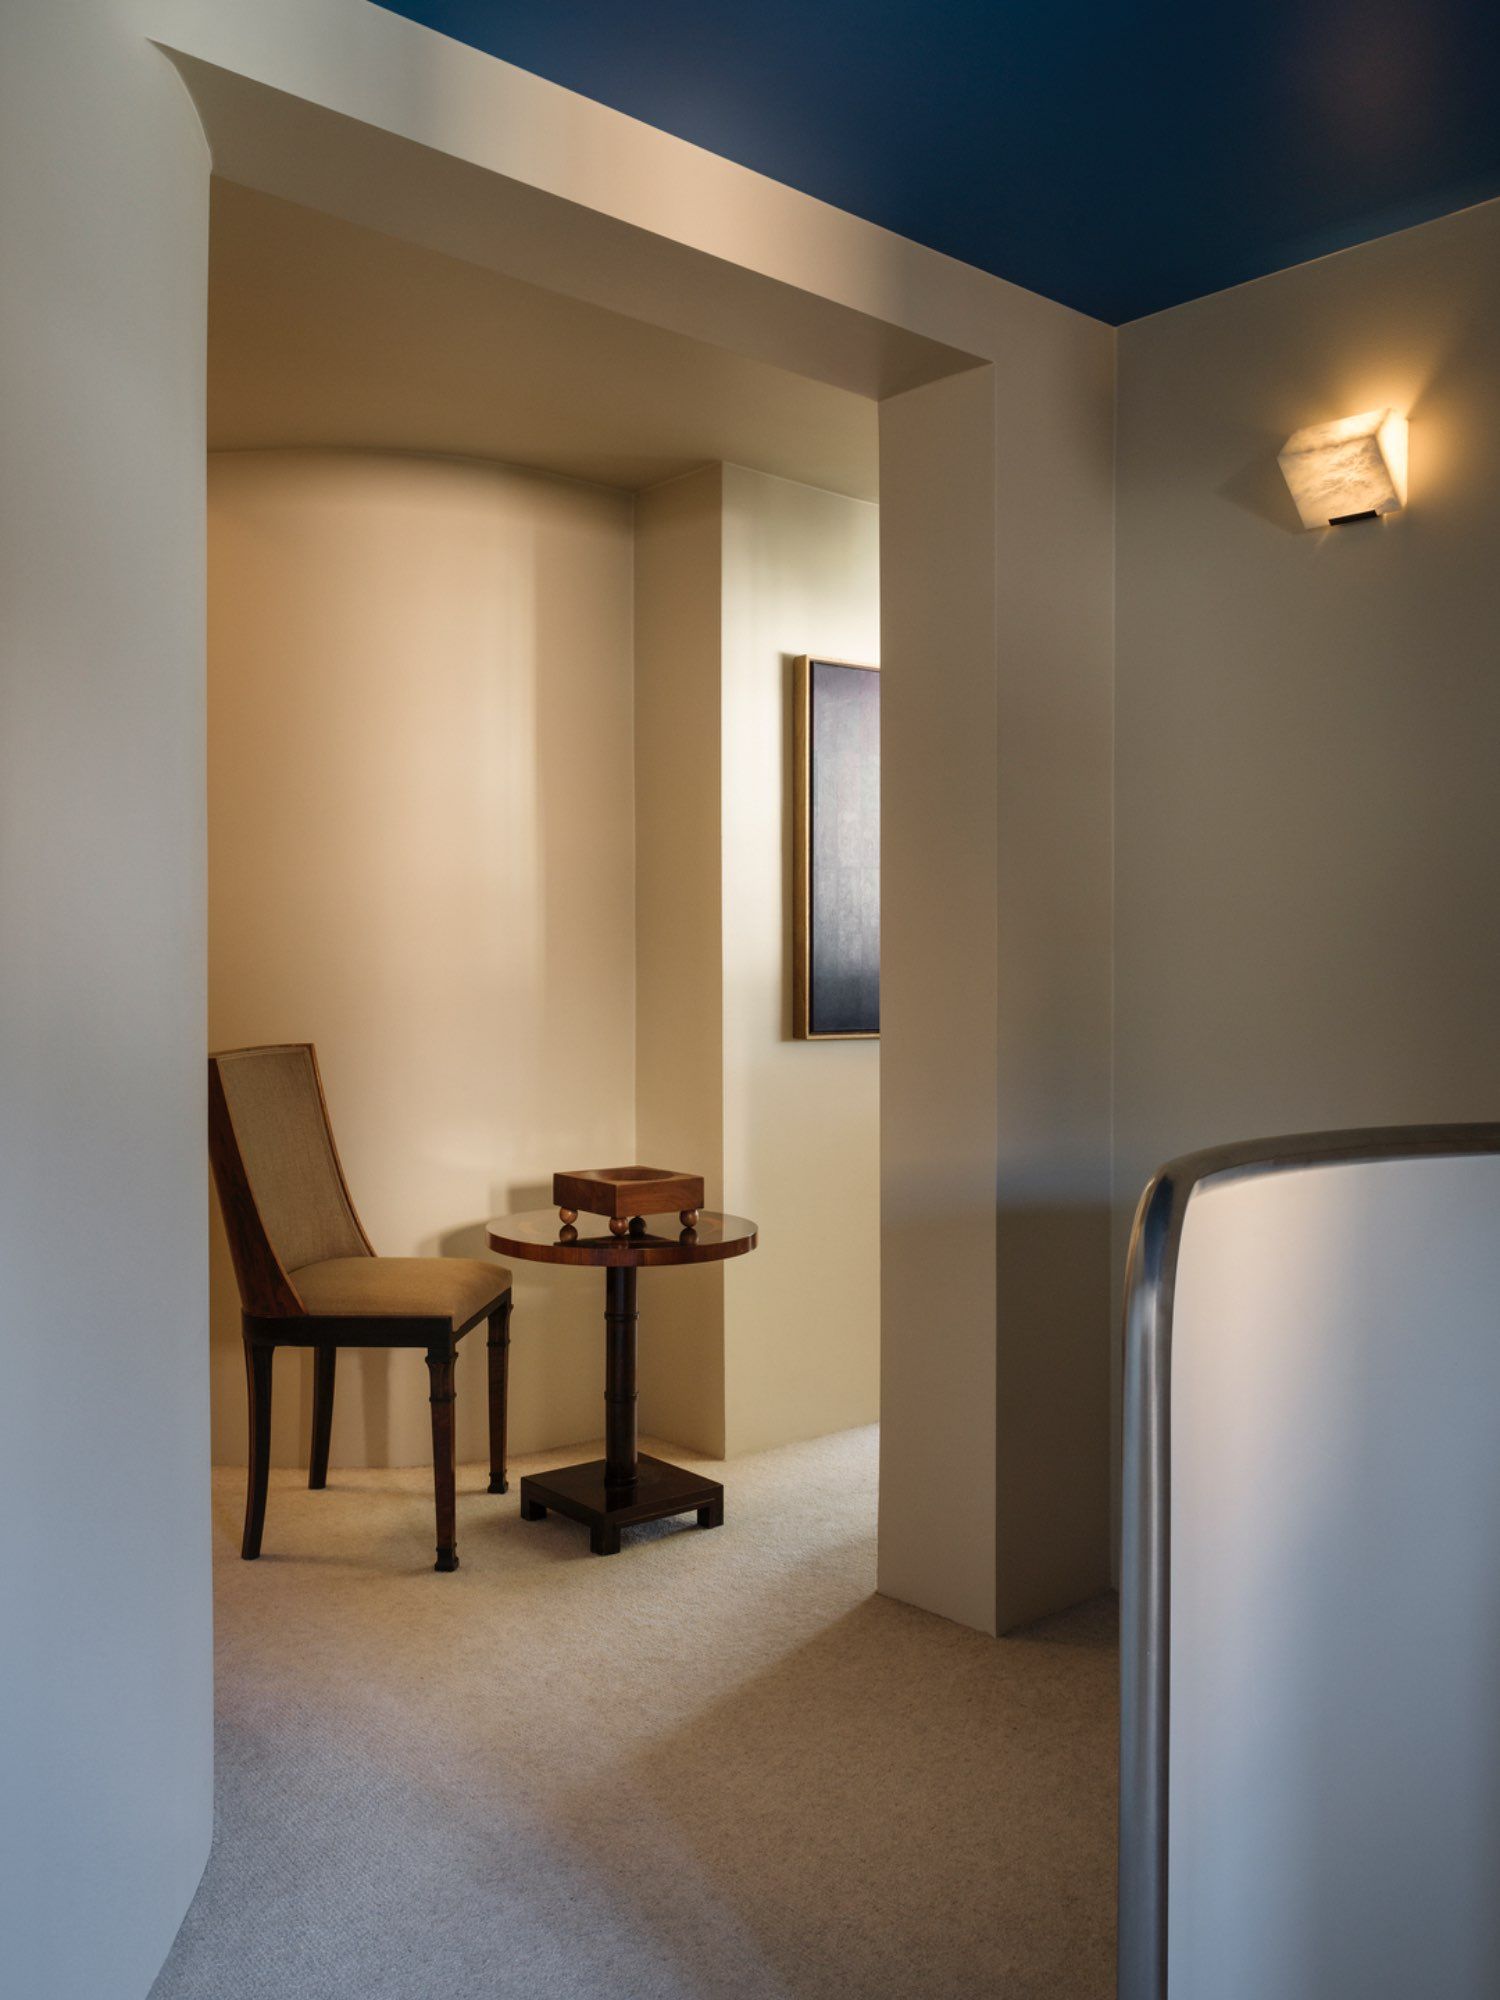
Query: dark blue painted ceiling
column 1118, row 157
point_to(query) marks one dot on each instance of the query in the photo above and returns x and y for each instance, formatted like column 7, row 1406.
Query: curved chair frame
column 273, row 1315
column 1145, row 1607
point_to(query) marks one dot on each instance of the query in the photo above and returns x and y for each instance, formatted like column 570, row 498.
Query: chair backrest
column 281, row 1188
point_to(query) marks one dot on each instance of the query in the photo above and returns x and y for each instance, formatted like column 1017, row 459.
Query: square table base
column 659, row 1491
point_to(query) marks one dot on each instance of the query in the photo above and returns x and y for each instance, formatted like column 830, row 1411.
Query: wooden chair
column 309, row 1277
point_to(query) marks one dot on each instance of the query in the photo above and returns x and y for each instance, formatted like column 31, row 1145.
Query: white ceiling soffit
column 322, row 332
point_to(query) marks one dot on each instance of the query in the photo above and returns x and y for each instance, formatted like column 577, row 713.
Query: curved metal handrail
column 1145, row 1607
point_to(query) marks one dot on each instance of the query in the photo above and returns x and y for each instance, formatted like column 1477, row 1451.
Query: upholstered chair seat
column 309, row 1276
column 458, row 1289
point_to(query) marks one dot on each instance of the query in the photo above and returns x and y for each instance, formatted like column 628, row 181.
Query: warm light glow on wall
column 1348, row 470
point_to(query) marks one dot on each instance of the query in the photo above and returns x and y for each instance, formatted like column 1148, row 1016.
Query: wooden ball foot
column 618, row 1225
column 689, row 1218
column 567, row 1217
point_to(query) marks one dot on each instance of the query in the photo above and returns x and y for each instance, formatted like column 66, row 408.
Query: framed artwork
column 836, row 851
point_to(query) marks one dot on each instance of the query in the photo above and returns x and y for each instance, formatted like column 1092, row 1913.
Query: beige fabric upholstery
column 452, row 1288
column 277, row 1113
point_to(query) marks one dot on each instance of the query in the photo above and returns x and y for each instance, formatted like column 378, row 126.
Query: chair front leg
column 440, row 1359
column 325, row 1361
column 258, row 1357
column 499, row 1360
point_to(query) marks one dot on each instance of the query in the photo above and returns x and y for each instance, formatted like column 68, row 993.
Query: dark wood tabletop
column 539, row 1236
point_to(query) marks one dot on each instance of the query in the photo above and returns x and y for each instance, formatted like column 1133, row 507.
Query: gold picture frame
column 803, row 1029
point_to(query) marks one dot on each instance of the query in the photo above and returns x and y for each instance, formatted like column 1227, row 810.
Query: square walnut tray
column 621, row 1193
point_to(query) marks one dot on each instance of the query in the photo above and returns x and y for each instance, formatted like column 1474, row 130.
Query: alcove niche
column 504, row 591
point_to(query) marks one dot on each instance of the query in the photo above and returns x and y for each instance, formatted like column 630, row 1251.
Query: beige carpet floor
column 713, row 1765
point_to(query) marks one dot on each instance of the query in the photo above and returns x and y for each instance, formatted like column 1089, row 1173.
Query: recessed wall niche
column 420, row 683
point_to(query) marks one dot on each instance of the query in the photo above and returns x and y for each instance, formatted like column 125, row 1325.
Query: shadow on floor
column 901, row 1807
column 714, row 1767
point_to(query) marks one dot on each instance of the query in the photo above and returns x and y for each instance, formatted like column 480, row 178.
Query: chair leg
column 258, row 1358
column 440, row 1358
column 499, row 1357
column 325, row 1361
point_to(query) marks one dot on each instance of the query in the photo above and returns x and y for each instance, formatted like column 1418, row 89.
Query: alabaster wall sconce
column 1353, row 469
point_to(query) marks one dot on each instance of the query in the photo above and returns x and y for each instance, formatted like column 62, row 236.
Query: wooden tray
column 621, row 1193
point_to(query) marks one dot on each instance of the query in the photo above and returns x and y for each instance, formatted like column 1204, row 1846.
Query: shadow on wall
column 471, row 1239
column 1053, row 1396
column 1258, row 487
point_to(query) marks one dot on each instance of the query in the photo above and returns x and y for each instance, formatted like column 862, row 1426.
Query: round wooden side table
column 624, row 1487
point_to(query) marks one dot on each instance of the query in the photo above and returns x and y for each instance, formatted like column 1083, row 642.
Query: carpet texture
column 714, row 1765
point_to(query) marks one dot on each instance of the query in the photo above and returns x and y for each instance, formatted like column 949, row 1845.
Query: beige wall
column 995, row 1059
column 106, row 1727
column 801, row 1119
column 737, row 572
column 1054, row 609
column 679, row 960
column 1308, row 818
column 939, row 1117
column 421, row 858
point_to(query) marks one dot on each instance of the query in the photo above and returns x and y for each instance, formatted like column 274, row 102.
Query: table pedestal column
column 619, row 1382
column 623, row 1488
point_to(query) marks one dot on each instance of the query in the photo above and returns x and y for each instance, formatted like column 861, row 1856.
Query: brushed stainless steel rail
column 1145, row 1603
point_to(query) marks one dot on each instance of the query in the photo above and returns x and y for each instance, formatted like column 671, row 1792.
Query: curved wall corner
column 1310, row 1777
column 105, row 1590
column 450, row 638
